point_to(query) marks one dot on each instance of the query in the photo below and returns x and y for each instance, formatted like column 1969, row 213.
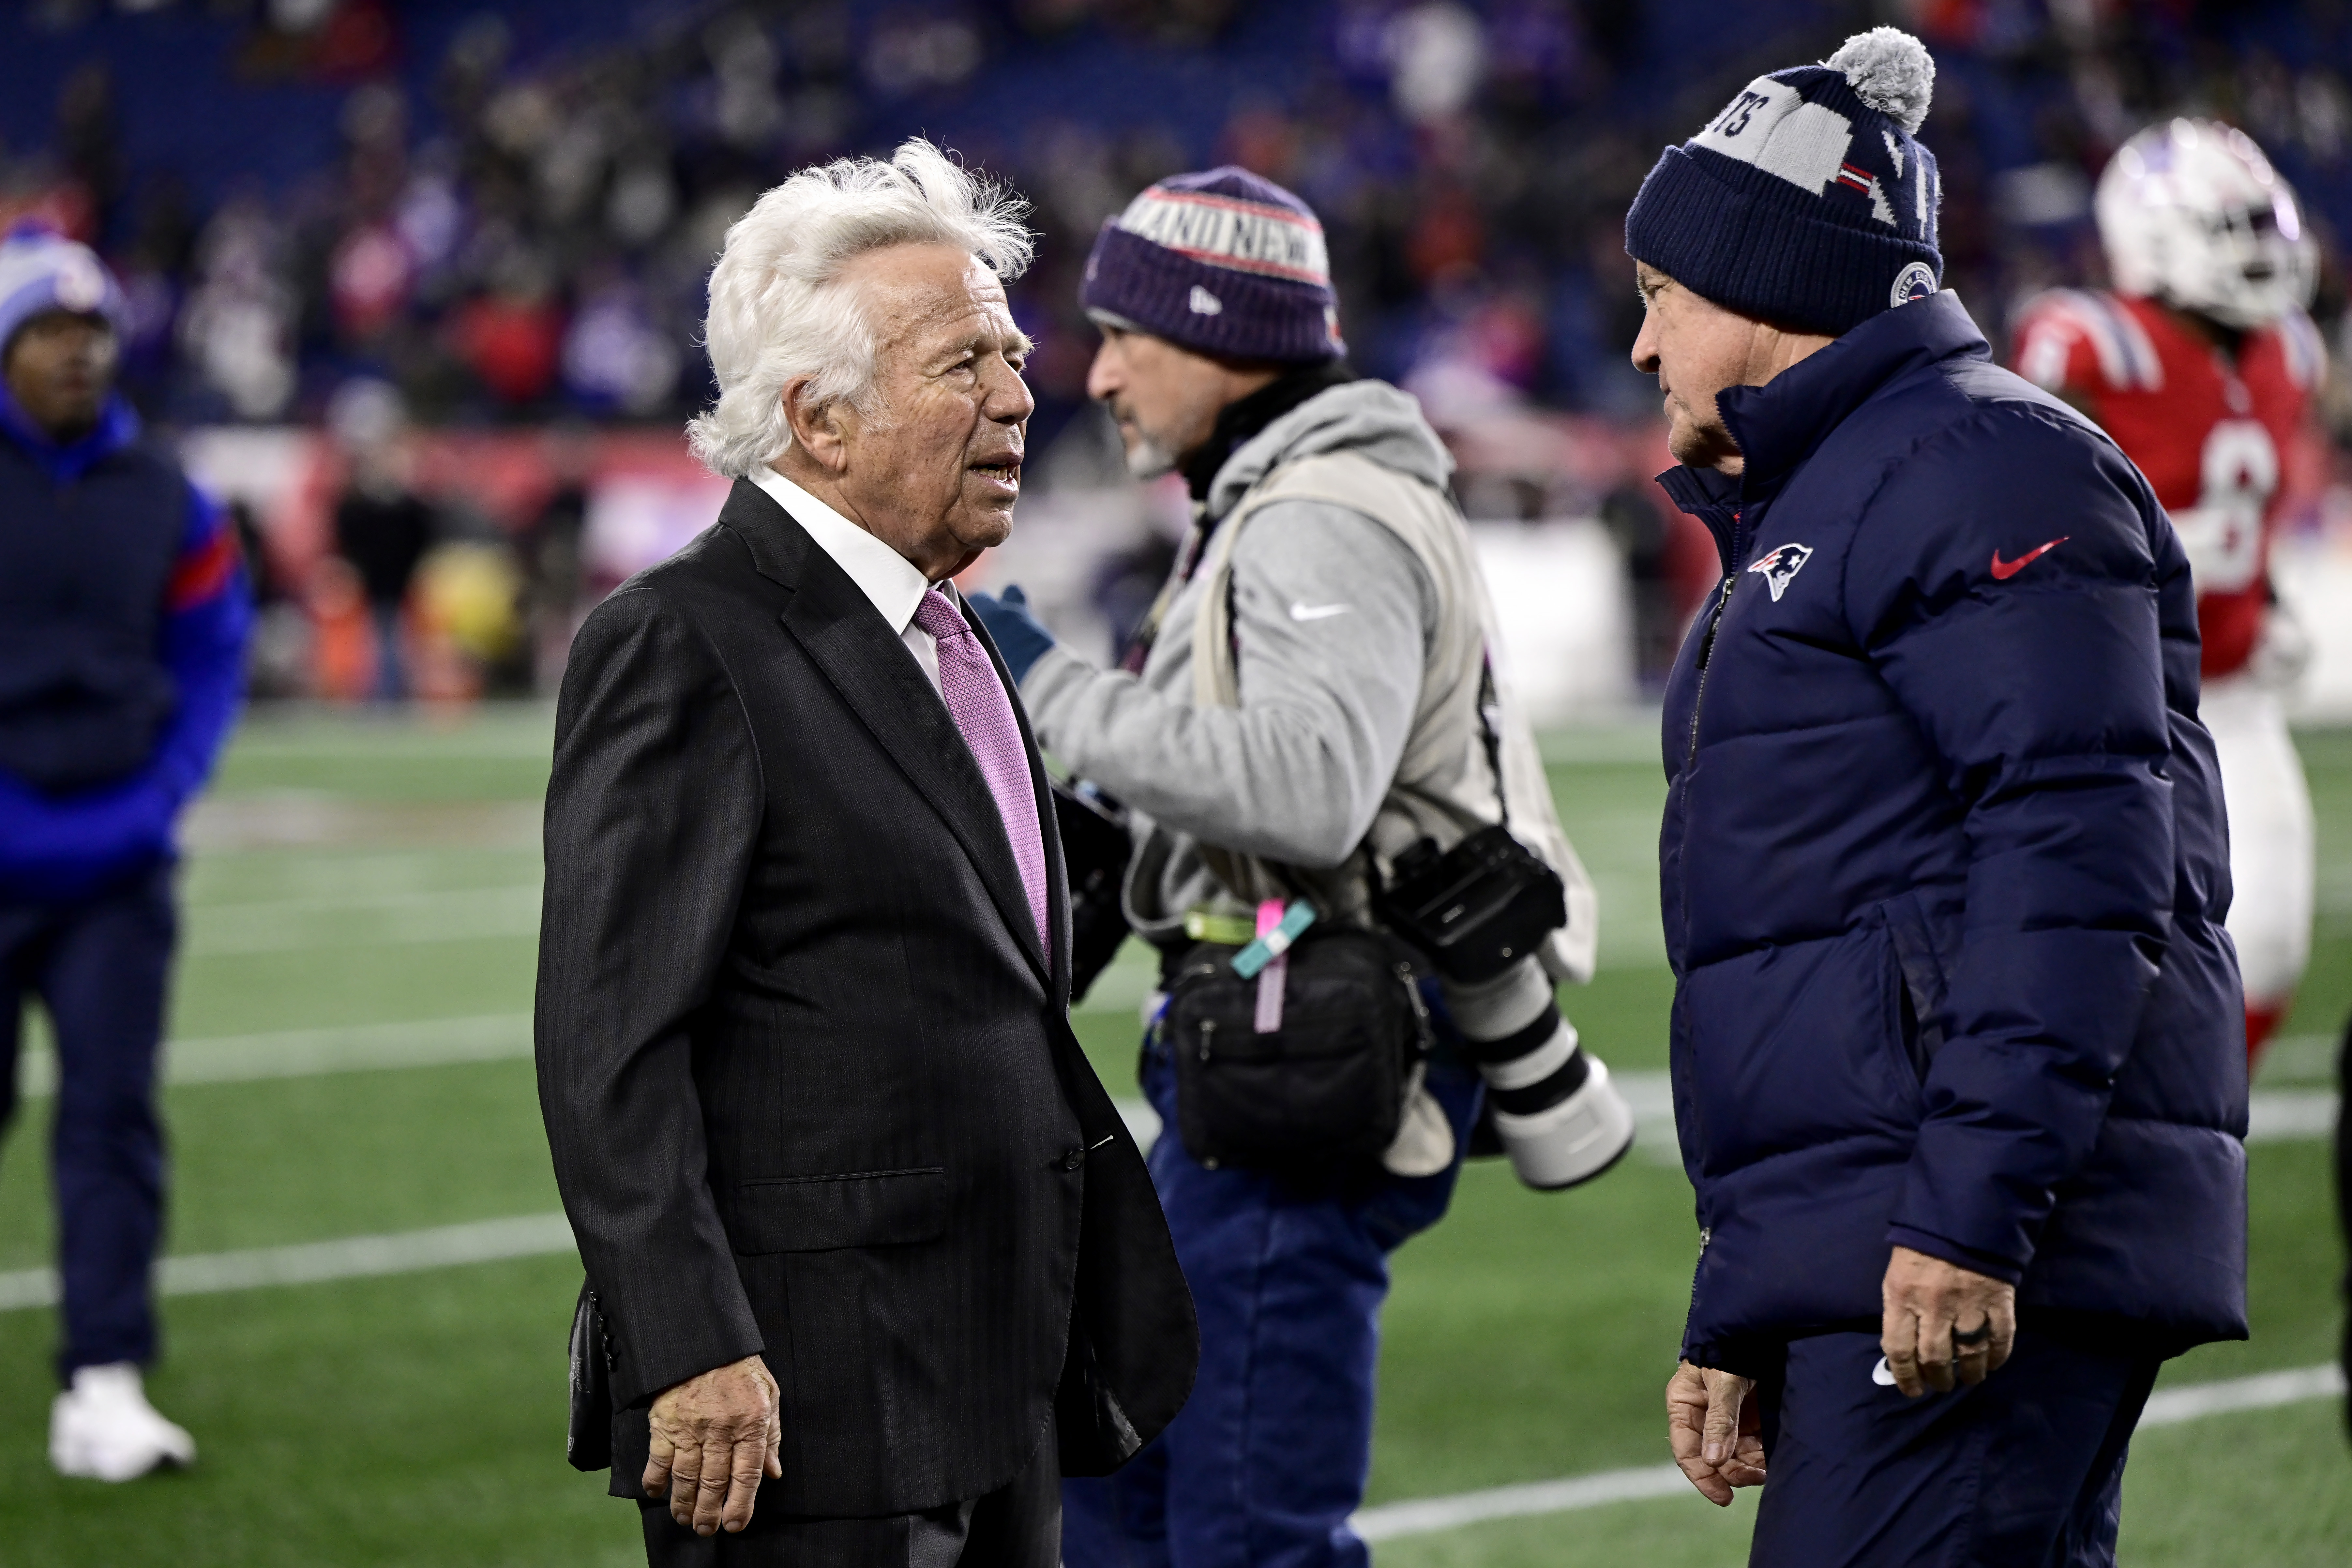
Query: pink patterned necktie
column 977, row 702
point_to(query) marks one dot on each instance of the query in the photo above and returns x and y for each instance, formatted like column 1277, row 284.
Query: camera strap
column 1188, row 559
column 1490, row 729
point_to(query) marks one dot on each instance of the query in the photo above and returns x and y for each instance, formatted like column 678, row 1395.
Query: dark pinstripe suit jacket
column 808, row 1079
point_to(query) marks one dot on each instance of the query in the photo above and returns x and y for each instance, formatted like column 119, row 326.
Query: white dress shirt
column 888, row 579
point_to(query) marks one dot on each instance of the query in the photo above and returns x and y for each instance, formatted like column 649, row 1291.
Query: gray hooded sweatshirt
column 1330, row 612
column 1334, row 621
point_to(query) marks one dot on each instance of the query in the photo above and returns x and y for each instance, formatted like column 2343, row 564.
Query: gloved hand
column 58, row 847
column 1020, row 636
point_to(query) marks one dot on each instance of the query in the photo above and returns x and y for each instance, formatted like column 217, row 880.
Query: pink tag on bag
column 1271, row 978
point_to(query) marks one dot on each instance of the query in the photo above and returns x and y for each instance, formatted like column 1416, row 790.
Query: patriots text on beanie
column 1809, row 200
column 1222, row 262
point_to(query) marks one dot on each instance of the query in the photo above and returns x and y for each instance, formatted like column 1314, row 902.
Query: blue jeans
column 1267, row 1459
column 99, row 966
column 2023, row 1470
column 391, row 667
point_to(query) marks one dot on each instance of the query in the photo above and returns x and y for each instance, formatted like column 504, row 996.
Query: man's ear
column 818, row 428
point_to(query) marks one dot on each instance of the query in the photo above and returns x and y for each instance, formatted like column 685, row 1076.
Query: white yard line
column 308, row 1263
column 1426, row 1516
column 2276, row 1115
column 2262, row 1391
column 2168, row 1408
column 340, row 826
column 294, row 925
column 301, row 1053
column 1141, row 1119
column 303, row 906
column 2282, row 1115
column 548, row 1234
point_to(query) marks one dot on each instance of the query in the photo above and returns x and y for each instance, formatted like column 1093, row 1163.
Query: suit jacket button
column 1072, row 1158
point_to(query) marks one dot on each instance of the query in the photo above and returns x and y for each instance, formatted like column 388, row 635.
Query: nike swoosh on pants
column 1305, row 612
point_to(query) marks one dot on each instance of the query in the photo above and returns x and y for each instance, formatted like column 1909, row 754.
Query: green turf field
column 362, row 896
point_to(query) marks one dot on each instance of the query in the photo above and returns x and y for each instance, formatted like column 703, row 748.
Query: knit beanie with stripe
column 1808, row 201
column 42, row 270
column 1222, row 262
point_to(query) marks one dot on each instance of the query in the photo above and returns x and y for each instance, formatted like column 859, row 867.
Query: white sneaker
column 102, row 1429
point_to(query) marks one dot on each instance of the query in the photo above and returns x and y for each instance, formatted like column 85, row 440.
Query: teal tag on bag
column 1275, row 942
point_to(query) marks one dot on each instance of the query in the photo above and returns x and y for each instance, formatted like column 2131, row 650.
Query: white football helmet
column 2191, row 213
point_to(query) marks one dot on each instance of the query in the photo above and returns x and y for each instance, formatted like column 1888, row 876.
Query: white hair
column 779, row 310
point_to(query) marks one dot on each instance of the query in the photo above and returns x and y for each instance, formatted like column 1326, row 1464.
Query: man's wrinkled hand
column 1944, row 1324
column 1714, row 1429
column 713, row 1438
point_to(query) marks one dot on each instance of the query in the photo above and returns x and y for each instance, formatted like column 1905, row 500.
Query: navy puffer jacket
column 1944, row 863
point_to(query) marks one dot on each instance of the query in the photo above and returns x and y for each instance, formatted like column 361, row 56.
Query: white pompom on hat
column 1809, row 200
column 1891, row 71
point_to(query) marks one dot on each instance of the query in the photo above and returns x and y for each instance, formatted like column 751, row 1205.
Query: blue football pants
column 2023, row 1470
column 1267, row 1459
column 98, row 967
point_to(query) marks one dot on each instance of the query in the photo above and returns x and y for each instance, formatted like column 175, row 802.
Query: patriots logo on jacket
column 1779, row 566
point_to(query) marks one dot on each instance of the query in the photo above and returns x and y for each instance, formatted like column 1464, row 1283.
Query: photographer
column 1315, row 752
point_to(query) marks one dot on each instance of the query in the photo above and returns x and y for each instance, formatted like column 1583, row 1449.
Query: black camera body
column 1096, row 849
column 588, row 1439
column 1476, row 908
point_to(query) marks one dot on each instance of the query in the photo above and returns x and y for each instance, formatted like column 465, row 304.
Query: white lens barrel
column 1573, row 1141
column 1528, row 1071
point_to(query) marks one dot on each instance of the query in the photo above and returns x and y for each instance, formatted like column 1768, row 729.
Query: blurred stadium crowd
column 506, row 214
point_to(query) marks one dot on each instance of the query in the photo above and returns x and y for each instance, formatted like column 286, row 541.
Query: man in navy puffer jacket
column 122, row 622
column 1956, row 1038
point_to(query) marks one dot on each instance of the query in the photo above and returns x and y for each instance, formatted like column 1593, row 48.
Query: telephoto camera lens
column 1560, row 1122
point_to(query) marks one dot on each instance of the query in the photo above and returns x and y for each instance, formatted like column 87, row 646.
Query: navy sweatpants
column 99, row 969
column 1268, row 1458
column 2023, row 1470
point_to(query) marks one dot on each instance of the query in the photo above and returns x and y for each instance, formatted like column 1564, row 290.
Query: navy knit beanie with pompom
column 1807, row 202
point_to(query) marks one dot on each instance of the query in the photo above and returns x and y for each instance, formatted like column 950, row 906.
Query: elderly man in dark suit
column 871, row 1240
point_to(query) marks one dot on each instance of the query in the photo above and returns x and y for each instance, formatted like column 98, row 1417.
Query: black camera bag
column 1328, row 1086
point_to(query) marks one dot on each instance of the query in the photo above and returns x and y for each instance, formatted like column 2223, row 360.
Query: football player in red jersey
column 2203, row 367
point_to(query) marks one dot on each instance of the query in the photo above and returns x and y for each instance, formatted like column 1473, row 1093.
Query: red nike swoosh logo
column 2002, row 570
